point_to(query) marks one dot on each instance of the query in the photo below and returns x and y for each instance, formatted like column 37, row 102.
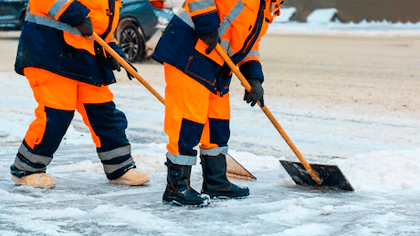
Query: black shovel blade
column 330, row 175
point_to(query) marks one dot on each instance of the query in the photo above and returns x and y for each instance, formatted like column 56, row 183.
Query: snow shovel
column 234, row 169
column 301, row 173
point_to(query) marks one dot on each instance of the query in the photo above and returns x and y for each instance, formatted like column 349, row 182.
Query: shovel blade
column 236, row 171
column 330, row 175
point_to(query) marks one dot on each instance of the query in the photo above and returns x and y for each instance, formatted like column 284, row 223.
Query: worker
column 68, row 71
column 197, row 110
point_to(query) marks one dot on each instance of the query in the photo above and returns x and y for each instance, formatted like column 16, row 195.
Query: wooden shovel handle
column 127, row 66
column 270, row 116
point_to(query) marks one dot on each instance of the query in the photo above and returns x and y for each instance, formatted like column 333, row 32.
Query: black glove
column 115, row 65
column 211, row 39
column 130, row 77
column 256, row 94
column 86, row 27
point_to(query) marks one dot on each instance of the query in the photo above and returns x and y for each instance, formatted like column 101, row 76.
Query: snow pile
column 287, row 15
column 383, row 170
column 322, row 16
column 319, row 22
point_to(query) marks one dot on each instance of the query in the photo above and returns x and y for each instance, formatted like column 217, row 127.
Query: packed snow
column 384, row 173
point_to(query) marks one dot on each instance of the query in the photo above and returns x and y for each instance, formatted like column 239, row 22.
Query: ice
column 384, row 171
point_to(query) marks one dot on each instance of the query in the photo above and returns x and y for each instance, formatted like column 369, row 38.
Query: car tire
column 132, row 42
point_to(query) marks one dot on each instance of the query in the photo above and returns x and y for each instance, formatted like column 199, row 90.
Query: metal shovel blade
column 330, row 175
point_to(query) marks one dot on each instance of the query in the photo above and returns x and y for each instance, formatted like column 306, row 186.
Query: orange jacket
column 241, row 25
column 49, row 31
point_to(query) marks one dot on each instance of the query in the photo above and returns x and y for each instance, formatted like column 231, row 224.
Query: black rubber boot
column 215, row 183
column 178, row 190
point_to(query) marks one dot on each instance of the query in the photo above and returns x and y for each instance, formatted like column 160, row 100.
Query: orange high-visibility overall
column 197, row 84
column 65, row 74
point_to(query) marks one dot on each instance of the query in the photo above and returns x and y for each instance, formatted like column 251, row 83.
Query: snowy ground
column 377, row 150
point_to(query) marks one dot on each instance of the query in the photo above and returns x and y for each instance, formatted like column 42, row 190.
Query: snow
column 318, row 22
column 321, row 15
column 286, row 15
column 385, row 174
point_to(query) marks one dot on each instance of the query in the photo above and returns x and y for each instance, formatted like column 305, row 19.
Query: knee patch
column 189, row 137
column 109, row 124
column 219, row 132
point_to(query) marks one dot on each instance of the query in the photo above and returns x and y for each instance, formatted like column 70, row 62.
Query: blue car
column 140, row 27
column 12, row 14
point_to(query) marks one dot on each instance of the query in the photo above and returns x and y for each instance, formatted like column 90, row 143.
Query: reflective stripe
column 50, row 22
column 185, row 16
column 25, row 167
column 226, row 45
column 214, row 151
column 230, row 17
column 253, row 53
column 58, row 5
column 118, row 152
column 197, row 6
column 226, row 23
column 111, row 168
column 182, row 159
column 224, row 26
column 34, row 157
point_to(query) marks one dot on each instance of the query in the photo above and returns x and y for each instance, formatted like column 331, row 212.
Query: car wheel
column 132, row 42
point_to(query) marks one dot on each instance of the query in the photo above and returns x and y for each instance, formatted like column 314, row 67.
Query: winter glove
column 211, row 39
column 115, row 65
column 130, row 77
column 256, row 94
column 86, row 27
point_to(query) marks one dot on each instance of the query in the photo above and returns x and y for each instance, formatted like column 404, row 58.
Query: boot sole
column 129, row 182
column 227, row 198
column 224, row 196
column 174, row 202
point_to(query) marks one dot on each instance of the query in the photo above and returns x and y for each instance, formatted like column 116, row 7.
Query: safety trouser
column 193, row 115
column 57, row 98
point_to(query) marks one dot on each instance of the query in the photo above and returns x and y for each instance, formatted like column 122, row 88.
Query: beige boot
column 132, row 177
column 37, row 180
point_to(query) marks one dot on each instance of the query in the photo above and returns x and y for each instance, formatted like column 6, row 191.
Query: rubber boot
column 36, row 180
column 132, row 177
column 178, row 190
column 215, row 183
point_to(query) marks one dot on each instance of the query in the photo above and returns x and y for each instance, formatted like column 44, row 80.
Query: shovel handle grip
column 126, row 66
column 270, row 116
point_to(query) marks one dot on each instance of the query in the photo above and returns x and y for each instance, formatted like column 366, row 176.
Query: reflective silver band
column 50, row 22
column 214, row 151
column 226, row 45
column 185, row 16
column 230, row 17
column 110, row 168
column 118, row 152
column 196, row 6
column 182, row 159
column 226, row 23
column 253, row 53
column 23, row 166
column 58, row 5
column 35, row 158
